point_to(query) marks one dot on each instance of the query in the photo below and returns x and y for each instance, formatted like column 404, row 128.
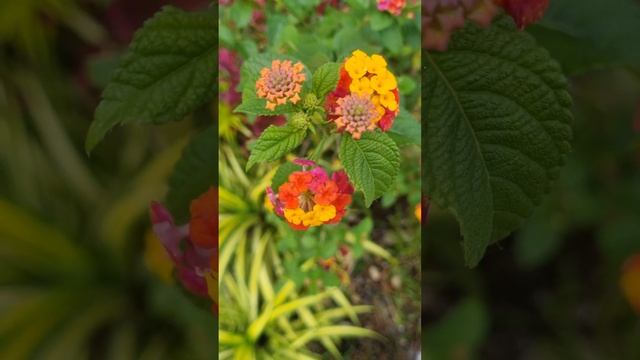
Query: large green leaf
column 497, row 130
column 325, row 79
column 275, row 142
column 194, row 173
column 372, row 163
column 169, row 70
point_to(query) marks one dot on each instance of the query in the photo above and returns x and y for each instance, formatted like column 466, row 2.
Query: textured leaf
column 257, row 106
column 371, row 163
column 169, row 70
column 194, row 173
column 282, row 174
column 325, row 79
column 497, row 129
column 275, row 142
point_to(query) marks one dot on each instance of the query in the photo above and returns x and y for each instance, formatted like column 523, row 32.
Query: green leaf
column 372, row 163
column 380, row 20
column 194, row 173
column 406, row 130
column 256, row 106
column 392, row 39
column 325, row 79
column 358, row 4
column 241, row 13
column 282, row 174
column 497, row 130
column 460, row 331
column 275, row 142
column 406, row 85
column 169, row 70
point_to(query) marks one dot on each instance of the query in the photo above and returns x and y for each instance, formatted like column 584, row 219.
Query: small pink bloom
column 319, row 178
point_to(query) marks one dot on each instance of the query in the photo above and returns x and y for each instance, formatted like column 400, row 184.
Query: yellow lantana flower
column 324, row 212
column 388, row 100
column 294, row 216
column 377, row 64
column 311, row 219
column 375, row 99
column 384, row 82
column 356, row 66
column 361, row 86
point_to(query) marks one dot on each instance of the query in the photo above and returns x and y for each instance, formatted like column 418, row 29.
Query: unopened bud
column 299, row 120
column 310, row 101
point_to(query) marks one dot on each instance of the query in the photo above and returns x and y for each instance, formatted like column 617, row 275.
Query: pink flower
column 192, row 263
column 392, row 6
column 319, row 178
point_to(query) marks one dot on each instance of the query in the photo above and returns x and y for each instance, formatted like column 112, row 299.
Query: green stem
column 325, row 142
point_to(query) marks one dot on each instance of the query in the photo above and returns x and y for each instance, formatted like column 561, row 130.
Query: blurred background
column 81, row 275
column 565, row 285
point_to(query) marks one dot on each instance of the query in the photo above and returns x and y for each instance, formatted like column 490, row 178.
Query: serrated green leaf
column 497, row 130
column 282, row 174
column 169, row 70
column 275, row 142
column 194, row 173
column 256, row 106
column 371, row 163
column 325, row 79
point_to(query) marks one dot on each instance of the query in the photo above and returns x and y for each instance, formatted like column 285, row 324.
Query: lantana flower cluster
column 311, row 198
column 392, row 6
column 366, row 96
column 193, row 247
column 281, row 83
